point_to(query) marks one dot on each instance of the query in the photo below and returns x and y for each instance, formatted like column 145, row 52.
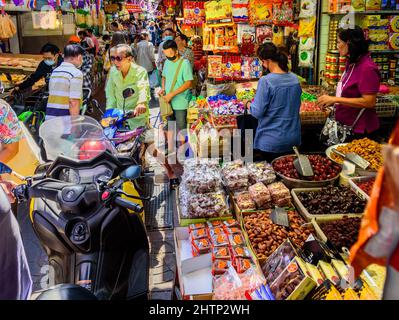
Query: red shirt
column 96, row 43
column 365, row 80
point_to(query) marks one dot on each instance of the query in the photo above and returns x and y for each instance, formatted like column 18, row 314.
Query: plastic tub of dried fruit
column 285, row 165
column 309, row 214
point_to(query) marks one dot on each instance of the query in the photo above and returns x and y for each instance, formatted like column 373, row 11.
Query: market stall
column 283, row 236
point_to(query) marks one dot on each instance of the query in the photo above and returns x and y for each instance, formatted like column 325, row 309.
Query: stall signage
column 194, row 13
column 132, row 8
column 110, row 8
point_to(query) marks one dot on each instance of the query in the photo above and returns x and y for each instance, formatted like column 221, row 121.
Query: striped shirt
column 66, row 82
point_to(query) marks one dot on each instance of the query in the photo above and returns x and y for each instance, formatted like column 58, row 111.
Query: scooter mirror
column 4, row 168
column 127, row 93
column 131, row 173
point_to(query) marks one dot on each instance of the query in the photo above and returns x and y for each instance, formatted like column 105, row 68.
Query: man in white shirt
column 145, row 53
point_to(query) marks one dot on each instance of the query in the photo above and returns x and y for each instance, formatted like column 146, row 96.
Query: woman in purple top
column 358, row 86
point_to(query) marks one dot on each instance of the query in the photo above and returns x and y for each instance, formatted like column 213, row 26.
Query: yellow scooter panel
column 128, row 187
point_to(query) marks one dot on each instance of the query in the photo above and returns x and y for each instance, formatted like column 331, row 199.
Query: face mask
column 49, row 62
column 168, row 38
column 171, row 58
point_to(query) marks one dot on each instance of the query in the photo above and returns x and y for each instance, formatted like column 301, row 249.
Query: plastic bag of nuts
column 261, row 195
column 235, row 175
column 207, row 205
column 244, row 201
column 261, row 172
column 280, row 194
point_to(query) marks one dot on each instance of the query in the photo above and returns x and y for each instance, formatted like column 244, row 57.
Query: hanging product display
column 307, row 27
column 308, row 9
column 194, row 13
column 240, row 11
column 7, row 27
column 261, row 12
column 264, row 34
column 219, row 12
column 215, row 66
column 251, row 68
column 245, row 32
column 225, row 39
column 231, row 67
column 282, row 12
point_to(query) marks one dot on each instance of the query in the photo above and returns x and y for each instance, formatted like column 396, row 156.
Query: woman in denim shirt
column 276, row 106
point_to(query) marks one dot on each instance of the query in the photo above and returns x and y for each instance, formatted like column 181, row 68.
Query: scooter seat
column 66, row 292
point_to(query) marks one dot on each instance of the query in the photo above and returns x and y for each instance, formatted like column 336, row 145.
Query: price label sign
column 280, row 216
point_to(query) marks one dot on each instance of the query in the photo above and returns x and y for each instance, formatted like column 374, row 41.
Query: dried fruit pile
column 266, row 237
column 332, row 200
column 323, row 168
column 343, row 232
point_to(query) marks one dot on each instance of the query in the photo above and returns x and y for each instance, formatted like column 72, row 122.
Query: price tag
column 280, row 216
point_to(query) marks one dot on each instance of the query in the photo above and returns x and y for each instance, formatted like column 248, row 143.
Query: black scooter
column 95, row 247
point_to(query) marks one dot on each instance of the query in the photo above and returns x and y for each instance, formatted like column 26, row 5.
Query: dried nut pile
column 332, row 200
column 366, row 148
column 343, row 232
column 266, row 237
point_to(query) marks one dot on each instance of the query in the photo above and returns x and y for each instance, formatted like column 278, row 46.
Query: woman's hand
column 325, row 101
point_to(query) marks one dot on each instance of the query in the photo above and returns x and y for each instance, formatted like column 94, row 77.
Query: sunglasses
column 116, row 58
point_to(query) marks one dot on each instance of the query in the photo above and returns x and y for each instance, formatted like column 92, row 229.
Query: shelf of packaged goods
column 371, row 51
column 378, row 12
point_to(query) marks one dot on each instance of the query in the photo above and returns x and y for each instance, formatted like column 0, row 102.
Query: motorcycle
column 91, row 232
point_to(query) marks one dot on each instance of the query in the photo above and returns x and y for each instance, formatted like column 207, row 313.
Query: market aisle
column 160, row 223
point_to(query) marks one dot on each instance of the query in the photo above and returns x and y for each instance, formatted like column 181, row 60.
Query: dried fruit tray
column 353, row 184
column 319, row 217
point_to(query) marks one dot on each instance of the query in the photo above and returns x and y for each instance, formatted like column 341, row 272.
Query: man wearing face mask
column 51, row 59
column 66, row 84
column 168, row 34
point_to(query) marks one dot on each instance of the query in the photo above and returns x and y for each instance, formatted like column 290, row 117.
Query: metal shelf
column 364, row 12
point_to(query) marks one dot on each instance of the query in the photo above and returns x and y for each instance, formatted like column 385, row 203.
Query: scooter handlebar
column 128, row 205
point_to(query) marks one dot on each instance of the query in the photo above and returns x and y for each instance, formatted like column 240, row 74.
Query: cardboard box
column 195, row 273
column 326, row 291
column 282, row 288
column 328, row 271
column 278, row 261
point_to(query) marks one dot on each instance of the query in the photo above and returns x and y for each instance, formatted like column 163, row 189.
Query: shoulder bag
column 164, row 106
column 333, row 131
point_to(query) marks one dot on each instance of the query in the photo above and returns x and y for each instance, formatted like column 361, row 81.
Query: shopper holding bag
column 177, row 80
column 354, row 114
